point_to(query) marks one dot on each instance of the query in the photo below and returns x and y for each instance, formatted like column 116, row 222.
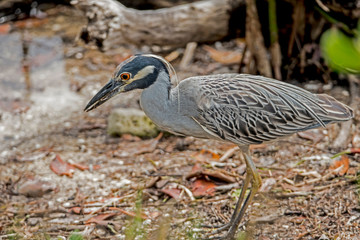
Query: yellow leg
column 242, row 203
column 238, row 205
column 256, row 183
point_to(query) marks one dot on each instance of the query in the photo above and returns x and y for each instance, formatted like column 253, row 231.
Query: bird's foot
column 220, row 228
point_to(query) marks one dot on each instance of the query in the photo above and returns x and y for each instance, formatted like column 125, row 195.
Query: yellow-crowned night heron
column 239, row 108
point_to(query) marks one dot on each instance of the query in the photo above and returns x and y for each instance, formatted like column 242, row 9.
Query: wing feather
column 248, row 109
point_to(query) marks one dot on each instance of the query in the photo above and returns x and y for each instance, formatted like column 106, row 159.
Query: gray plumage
column 239, row 108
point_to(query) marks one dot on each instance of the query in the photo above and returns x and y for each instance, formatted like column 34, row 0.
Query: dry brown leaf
column 219, row 175
column 240, row 42
column 206, row 155
column 76, row 210
column 344, row 161
column 196, row 169
column 61, row 168
column 100, row 219
column 351, row 171
column 154, row 215
column 30, row 22
column 152, row 182
column 355, row 150
column 199, row 172
column 224, row 57
column 5, row 28
column 131, row 214
column 222, row 176
column 130, row 138
column 173, row 192
column 202, row 187
column 303, row 188
column 91, row 126
column 298, row 220
column 172, row 56
column 148, row 146
column 83, row 167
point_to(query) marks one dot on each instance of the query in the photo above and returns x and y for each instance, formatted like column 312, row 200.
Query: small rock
column 100, row 232
column 33, row 221
column 267, row 185
column 35, row 187
column 323, row 237
column 356, row 140
column 56, row 216
column 131, row 121
column 266, row 160
column 161, row 183
column 312, row 87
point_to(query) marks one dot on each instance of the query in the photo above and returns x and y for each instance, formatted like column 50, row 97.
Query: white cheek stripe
column 143, row 73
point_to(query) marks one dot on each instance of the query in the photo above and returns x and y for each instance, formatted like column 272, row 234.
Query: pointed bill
column 108, row 91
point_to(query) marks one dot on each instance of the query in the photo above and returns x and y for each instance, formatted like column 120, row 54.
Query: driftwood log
column 111, row 24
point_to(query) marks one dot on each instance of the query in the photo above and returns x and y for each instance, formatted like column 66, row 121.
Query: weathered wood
column 153, row 4
column 255, row 40
column 111, row 24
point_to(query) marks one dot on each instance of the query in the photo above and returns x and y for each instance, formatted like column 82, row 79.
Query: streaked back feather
column 248, row 109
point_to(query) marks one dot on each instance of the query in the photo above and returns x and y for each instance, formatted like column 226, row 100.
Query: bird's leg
column 237, row 208
column 239, row 204
column 256, row 183
column 242, row 196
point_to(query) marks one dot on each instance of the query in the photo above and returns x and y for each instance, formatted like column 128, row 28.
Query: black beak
column 108, row 91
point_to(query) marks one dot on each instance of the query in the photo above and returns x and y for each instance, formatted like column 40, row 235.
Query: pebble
column 33, row 221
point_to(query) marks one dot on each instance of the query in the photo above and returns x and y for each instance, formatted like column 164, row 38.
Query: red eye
column 125, row 76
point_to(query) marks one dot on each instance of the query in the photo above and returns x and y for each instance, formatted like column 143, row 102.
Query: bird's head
column 137, row 72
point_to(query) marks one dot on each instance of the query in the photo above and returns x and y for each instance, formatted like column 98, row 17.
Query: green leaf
column 76, row 236
column 341, row 52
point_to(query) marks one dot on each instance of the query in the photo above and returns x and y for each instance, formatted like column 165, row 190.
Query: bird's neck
column 155, row 100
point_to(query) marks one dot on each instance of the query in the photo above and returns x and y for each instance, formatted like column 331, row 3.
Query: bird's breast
column 167, row 117
column 163, row 108
column 174, row 122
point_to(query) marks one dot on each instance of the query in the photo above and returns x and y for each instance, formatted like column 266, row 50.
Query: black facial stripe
column 142, row 83
column 137, row 63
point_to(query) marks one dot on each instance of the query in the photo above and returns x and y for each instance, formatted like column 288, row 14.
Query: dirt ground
column 130, row 188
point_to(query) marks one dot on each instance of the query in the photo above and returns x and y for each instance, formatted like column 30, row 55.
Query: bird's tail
column 335, row 110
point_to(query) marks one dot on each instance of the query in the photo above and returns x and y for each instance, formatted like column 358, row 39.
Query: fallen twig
column 294, row 194
column 323, row 178
column 108, row 203
column 228, row 153
column 227, row 187
column 188, row 192
column 266, row 219
column 188, row 55
column 319, row 188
